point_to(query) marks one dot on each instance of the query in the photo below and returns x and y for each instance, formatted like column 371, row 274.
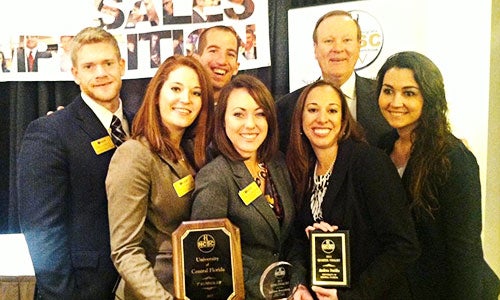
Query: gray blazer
column 263, row 239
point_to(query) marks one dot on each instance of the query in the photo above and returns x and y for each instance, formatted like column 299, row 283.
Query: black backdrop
column 22, row 102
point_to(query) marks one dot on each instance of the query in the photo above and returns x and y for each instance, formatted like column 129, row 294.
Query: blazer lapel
column 243, row 178
column 336, row 181
column 178, row 169
column 89, row 121
column 281, row 183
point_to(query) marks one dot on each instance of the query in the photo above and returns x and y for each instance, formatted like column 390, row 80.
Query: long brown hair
column 264, row 99
column 147, row 122
column 429, row 163
column 300, row 156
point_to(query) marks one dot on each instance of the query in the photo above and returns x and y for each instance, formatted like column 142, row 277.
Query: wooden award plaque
column 207, row 260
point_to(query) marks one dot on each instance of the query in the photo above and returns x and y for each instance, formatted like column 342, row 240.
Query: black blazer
column 367, row 112
column 451, row 265
column 63, row 205
column 366, row 197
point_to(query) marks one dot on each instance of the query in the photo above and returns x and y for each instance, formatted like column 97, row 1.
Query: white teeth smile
column 249, row 135
column 397, row 114
column 182, row 110
column 321, row 131
column 219, row 71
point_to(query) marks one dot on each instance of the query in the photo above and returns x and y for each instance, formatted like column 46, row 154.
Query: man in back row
column 337, row 43
column 218, row 53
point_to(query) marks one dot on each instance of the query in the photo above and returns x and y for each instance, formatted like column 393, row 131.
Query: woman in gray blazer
column 145, row 204
column 246, row 136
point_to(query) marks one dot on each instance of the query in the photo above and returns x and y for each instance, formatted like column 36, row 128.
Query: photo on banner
column 148, row 31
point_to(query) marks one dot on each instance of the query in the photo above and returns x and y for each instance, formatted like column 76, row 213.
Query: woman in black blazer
column 441, row 177
column 343, row 183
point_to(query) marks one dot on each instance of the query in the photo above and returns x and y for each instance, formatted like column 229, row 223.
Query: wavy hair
column 429, row 162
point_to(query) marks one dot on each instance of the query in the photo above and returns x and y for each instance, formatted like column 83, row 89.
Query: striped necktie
column 117, row 133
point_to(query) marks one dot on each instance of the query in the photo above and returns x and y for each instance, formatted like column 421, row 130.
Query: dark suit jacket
column 451, row 265
column 63, row 206
column 21, row 59
column 367, row 112
column 366, row 197
column 263, row 240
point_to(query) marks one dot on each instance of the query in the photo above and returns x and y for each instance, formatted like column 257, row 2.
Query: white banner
column 384, row 32
column 437, row 29
column 148, row 31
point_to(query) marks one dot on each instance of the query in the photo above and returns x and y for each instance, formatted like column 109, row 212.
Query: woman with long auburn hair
column 170, row 134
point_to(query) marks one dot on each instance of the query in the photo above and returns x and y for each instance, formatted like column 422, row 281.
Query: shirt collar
column 101, row 112
column 32, row 51
column 349, row 87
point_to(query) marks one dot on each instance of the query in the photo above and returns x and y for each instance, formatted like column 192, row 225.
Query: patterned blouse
column 318, row 193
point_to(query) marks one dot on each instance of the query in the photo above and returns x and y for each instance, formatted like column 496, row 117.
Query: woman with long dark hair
column 342, row 182
column 441, row 178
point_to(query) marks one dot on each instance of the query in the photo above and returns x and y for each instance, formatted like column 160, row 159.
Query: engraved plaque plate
column 207, row 260
column 330, row 264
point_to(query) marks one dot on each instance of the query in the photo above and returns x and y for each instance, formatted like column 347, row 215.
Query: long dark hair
column 300, row 156
column 429, row 162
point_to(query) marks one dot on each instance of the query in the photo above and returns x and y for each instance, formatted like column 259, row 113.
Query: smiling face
column 220, row 57
column 98, row 71
column 180, row 100
column 322, row 117
column 400, row 100
column 337, row 48
column 245, row 123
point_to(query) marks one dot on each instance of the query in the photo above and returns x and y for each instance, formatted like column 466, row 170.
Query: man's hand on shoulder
column 60, row 107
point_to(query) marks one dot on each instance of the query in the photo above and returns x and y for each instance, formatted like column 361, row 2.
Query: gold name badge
column 184, row 185
column 250, row 193
column 102, row 145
